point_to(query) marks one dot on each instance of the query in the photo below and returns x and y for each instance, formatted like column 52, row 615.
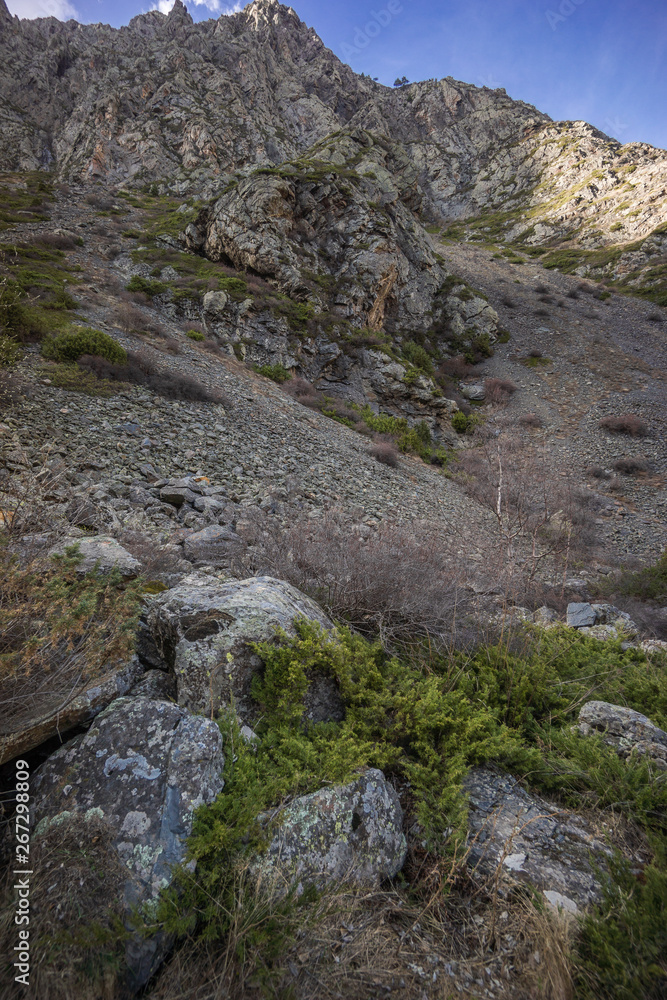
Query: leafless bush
column 158, row 562
column 140, row 370
column 530, row 420
column 385, row 453
column 57, row 241
column 499, row 390
column 616, row 485
column 10, row 390
column 627, row 423
column 129, row 318
column 213, row 348
column 541, row 288
column 112, row 250
column 535, row 354
column 508, row 302
column 99, row 201
column 655, row 317
column 597, row 472
column 547, row 299
column 191, row 325
column 403, row 583
column 631, row 466
column 541, row 517
column 167, row 344
column 572, row 293
column 455, row 368
column 541, row 312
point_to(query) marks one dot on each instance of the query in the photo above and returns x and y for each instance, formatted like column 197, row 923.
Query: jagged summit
column 191, row 106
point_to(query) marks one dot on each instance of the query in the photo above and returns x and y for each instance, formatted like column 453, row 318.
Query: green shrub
column 145, row 285
column 277, row 373
column 70, row 345
column 503, row 336
column 648, row 584
column 417, row 356
column 195, row 335
column 460, row 422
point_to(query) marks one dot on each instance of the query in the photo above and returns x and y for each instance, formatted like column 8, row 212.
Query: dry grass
column 499, row 390
column 435, row 940
column 76, row 932
column 384, row 453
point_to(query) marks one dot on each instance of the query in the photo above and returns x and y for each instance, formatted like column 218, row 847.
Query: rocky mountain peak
column 179, row 14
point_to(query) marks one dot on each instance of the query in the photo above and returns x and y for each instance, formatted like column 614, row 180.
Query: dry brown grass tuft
column 384, row 453
column 438, row 939
column 77, row 876
column 499, row 390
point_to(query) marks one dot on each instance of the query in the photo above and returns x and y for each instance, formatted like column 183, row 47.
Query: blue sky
column 604, row 61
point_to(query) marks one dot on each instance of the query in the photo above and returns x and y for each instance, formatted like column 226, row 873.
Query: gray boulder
column 214, row 545
column 476, row 392
column 580, row 614
column 624, row 729
column 339, row 834
column 204, row 630
column 143, row 768
column 102, row 552
column 531, row 840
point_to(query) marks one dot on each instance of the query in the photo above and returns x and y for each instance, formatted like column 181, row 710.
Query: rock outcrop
column 205, row 631
column 532, row 840
column 625, row 730
column 142, row 768
column 346, row 833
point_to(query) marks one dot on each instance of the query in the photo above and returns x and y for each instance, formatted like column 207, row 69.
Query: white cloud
column 61, row 9
column 164, row 6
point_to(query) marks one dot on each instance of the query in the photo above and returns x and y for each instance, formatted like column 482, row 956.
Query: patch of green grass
column 72, row 378
column 195, row 335
column 146, row 285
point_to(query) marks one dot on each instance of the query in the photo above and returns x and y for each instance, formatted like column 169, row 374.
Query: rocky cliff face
column 326, row 185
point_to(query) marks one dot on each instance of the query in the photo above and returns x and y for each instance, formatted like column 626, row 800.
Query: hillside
column 332, row 526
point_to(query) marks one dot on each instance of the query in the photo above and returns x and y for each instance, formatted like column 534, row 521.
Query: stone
column 546, row 617
column 57, row 719
column 625, row 729
column 607, row 614
column 580, row 614
column 475, row 392
column 653, row 646
column 344, row 833
column 215, row 303
column 214, row 545
column 102, row 553
column 143, row 767
column 531, row 839
column 177, row 495
column 205, row 629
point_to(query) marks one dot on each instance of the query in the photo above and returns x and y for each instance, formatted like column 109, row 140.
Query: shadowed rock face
column 143, row 768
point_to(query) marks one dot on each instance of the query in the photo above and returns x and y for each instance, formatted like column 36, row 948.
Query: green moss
column 195, row 335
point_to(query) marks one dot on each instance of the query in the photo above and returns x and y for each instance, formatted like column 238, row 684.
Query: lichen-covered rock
column 531, row 839
column 205, row 630
column 626, row 730
column 103, row 553
column 345, row 833
column 143, row 767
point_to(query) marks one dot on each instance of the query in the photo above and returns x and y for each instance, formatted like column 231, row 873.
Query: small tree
column 401, row 81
